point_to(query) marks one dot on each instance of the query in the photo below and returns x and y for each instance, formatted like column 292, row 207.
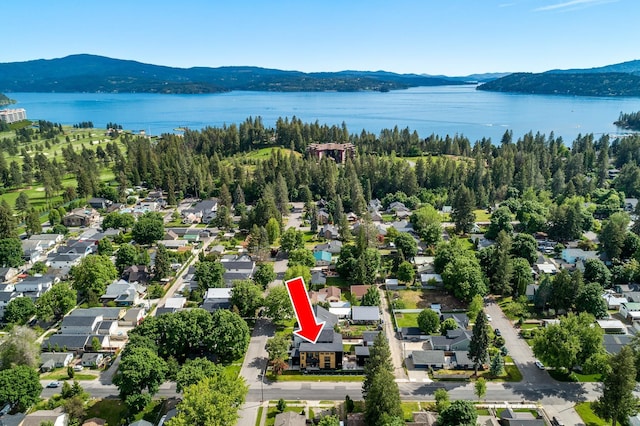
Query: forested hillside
column 578, row 84
column 629, row 121
column 4, row 100
column 90, row 73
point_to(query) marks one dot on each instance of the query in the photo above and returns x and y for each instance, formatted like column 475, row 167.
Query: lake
column 441, row 110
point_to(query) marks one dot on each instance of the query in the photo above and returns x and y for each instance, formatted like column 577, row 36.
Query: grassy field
column 86, row 138
column 585, row 411
column 265, row 153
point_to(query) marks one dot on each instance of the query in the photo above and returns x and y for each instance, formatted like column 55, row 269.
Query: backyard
column 421, row 299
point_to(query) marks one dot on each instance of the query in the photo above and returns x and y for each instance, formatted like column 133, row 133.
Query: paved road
column 395, row 344
column 553, row 393
column 518, row 348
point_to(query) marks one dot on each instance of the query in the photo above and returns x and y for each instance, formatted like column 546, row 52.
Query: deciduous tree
column 195, row 370
column 229, row 335
column 429, row 321
column 141, row 369
column 19, row 348
column 93, row 274
column 264, row 274
column 406, row 273
column 247, row 297
column 590, row 300
column 213, row 401
column 278, row 305
column 19, row 310
column 20, row 387
column 459, row 413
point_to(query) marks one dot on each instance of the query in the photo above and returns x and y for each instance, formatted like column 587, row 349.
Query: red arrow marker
column 309, row 328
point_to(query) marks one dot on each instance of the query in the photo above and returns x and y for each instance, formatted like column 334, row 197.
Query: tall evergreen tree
column 379, row 360
column 383, row 399
column 617, row 402
column 162, row 263
column 479, row 341
column 462, row 214
column 7, row 221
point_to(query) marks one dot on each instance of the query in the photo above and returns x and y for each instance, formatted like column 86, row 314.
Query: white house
column 35, row 283
column 613, row 301
column 64, row 262
column 630, row 311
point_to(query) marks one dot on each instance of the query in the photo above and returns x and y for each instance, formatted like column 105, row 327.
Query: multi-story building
column 13, row 115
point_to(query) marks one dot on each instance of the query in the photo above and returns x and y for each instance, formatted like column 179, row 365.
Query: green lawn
column 408, row 408
column 272, row 412
column 585, row 411
column 112, row 410
column 259, row 417
column 482, row 215
column 298, row 377
column 407, row 320
column 151, row 412
column 562, row 376
column 338, row 282
column 62, row 375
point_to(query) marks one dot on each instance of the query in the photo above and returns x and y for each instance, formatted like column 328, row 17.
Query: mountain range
column 612, row 80
column 91, row 73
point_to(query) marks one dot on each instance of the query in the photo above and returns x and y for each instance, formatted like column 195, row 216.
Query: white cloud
column 572, row 5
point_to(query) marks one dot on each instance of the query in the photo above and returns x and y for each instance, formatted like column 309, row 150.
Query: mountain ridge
column 614, row 80
column 93, row 73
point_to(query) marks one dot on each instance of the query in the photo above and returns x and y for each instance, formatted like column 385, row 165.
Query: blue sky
column 452, row 37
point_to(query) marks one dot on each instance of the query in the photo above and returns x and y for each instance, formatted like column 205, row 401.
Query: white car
column 488, row 317
column 78, row 367
column 539, row 365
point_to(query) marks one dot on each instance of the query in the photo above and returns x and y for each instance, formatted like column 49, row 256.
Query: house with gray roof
column 105, row 312
column 365, row 314
column 429, row 359
column 75, row 325
column 289, row 418
column 239, row 267
column 51, row 360
column 455, row 340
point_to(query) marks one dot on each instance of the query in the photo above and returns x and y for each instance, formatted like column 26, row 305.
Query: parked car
column 488, row 317
column 539, row 365
column 54, row 384
column 78, row 367
column 497, row 332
